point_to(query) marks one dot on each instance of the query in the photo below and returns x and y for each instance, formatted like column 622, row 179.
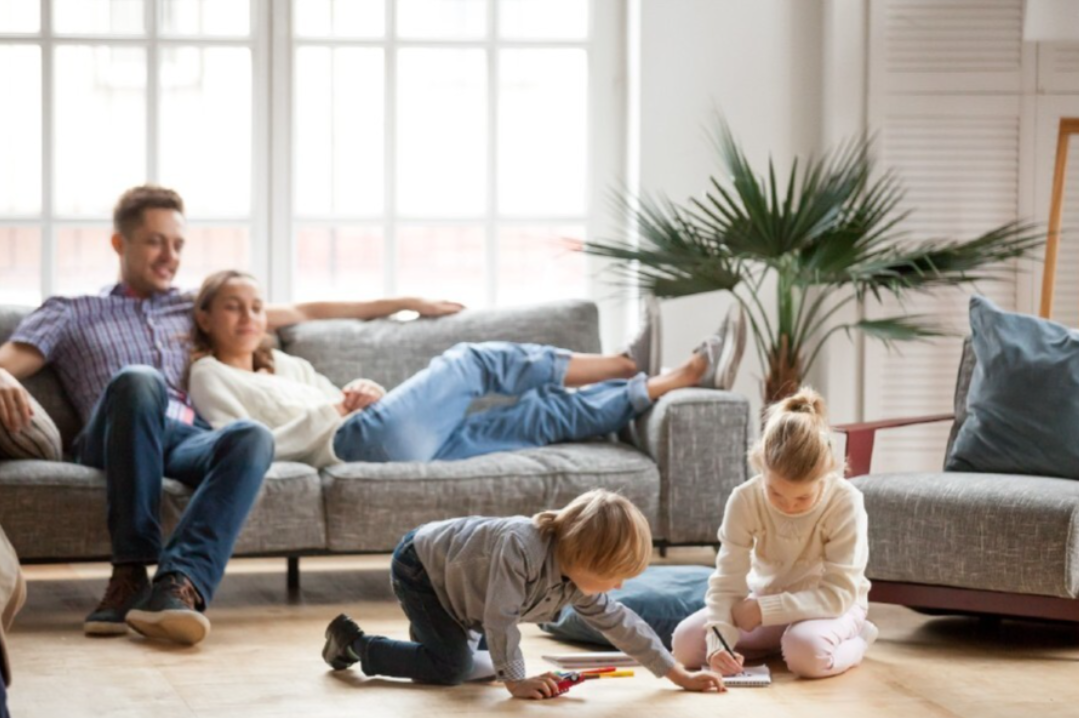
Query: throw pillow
column 39, row 440
column 1021, row 407
column 663, row 596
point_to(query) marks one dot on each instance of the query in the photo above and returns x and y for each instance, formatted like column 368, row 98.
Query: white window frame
column 49, row 221
column 606, row 140
column 271, row 222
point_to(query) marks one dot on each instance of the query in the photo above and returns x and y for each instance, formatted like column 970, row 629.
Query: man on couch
column 121, row 357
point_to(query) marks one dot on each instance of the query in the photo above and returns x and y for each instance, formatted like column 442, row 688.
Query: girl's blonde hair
column 796, row 443
column 600, row 532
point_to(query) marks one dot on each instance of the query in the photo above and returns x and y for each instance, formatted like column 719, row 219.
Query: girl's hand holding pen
column 726, row 664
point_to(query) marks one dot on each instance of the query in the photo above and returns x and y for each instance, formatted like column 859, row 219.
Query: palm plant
column 828, row 236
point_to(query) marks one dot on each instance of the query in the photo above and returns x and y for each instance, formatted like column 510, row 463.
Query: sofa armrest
column 698, row 439
column 860, row 438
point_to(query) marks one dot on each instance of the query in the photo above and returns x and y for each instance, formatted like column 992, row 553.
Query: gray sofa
column 678, row 463
column 968, row 542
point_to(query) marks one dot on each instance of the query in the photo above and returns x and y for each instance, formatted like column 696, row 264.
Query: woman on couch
column 234, row 376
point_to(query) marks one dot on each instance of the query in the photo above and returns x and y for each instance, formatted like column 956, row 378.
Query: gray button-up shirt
column 492, row 573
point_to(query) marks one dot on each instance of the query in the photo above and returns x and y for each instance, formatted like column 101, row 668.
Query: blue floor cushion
column 663, row 596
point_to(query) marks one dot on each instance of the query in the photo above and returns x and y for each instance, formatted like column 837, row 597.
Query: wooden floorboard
column 262, row 659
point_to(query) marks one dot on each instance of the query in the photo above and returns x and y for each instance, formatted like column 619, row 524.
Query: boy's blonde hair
column 600, row 532
column 796, row 443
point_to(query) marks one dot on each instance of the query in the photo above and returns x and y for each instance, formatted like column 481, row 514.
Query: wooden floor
column 262, row 659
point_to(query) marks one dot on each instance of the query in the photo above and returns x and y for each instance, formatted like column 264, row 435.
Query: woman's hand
column 429, row 308
column 542, row 686
column 696, row 682
column 360, row 394
column 725, row 664
column 747, row 614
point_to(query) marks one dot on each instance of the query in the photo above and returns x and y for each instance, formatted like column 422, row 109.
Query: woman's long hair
column 201, row 343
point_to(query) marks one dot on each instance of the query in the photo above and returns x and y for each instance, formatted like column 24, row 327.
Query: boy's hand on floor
column 543, row 686
column 697, row 682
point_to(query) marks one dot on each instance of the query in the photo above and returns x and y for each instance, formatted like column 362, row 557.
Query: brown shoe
column 171, row 612
column 128, row 586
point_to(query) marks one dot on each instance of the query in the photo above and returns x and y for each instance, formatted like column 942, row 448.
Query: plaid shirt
column 88, row 339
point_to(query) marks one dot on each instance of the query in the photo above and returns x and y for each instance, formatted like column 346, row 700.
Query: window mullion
column 153, row 102
column 48, row 235
column 390, row 152
column 491, row 263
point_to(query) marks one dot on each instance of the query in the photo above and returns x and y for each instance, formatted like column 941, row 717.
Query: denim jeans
column 132, row 440
column 439, row 651
column 426, row 417
column 3, row 700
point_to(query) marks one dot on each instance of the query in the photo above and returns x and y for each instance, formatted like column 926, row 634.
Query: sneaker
column 171, row 612
column 340, row 635
column 869, row 633
column 644, row 350
column 127, row 587
column 723, row 350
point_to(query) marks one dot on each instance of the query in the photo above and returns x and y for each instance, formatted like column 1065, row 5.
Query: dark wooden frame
column 859, row 455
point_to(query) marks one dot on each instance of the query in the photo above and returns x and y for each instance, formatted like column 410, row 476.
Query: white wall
column 760, row 62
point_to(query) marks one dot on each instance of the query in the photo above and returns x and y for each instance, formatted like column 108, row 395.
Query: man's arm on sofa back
column 698, row 438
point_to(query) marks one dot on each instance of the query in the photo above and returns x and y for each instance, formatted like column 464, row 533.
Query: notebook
column 599, row 659
column 750, row 677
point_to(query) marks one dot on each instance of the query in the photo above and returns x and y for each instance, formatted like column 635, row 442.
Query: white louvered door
column 946, row 99
column 959, row 158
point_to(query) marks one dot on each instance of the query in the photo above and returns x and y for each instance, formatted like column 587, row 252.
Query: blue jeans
column 426, row 418
column 130, row 437
column 439, row 651
column 3, row 700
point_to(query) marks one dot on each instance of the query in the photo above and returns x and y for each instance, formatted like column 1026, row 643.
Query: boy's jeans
column 439, row 651
column 427, row 417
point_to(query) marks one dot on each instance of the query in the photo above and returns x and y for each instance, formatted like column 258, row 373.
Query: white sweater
column 295, row 402
column 798, row 567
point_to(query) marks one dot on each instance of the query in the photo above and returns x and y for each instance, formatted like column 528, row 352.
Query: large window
column 336, row 148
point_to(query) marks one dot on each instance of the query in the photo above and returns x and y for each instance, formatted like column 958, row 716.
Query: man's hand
column 696, row 682
column 15, row 408
column 428, row 308
column 725, row 664
column 543, row 686
column 747, row 614
column 360, row 394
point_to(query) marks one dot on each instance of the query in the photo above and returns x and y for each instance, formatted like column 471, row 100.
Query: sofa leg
column 293, row 574
column 663, row 550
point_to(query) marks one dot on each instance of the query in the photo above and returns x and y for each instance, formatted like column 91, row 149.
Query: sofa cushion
column 391, row 351
column 1021, row 407
column 287, row 516
column 369, row 506
column 53, row 510
column 40, row 439
column 44, row 386
column 982, row 531
column 663, row 596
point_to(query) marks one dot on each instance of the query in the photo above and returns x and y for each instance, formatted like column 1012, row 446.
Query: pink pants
column 812, row 649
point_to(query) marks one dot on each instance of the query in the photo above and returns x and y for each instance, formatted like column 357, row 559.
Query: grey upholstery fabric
column 287, row 516
column 52, row 509
column 979, row 531
column 699, row 440
column 390, row 351
column 370, row 506
column 44, row 386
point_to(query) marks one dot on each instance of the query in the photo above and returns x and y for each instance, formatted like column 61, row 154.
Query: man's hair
column 600, row 532
column 128, row 213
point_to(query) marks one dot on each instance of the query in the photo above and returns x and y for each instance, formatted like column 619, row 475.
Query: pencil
column 616, row 674
column 720, row 637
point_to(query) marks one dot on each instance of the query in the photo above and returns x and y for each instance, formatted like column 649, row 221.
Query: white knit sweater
column 799, row 567
column 295, row 402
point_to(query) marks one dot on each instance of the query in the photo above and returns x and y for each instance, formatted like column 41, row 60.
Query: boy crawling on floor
column 462, row 577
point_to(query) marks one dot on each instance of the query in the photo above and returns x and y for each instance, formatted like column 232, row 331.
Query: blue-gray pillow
column 662, row 596
column 1023, row 402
